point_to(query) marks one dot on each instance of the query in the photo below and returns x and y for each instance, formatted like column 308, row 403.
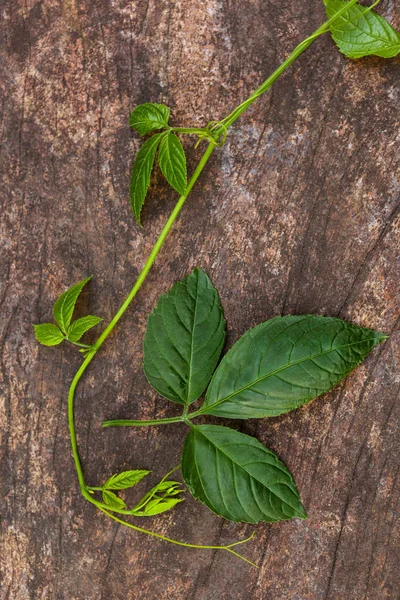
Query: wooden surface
column 298, row 213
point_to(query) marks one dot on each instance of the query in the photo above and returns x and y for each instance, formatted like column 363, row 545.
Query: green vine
column 345, row 21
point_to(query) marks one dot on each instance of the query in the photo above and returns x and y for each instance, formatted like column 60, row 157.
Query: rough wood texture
column 298, row 213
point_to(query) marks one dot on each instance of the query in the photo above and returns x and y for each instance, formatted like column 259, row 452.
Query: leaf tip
column 380, row 337
column 301, row 513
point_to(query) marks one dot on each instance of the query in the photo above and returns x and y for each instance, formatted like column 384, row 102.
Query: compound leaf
column 141, row 173
column 48, row 334
column 64, row 307
column 148, row 117
column 359, row 31
column 184, row 338
column 237, row 477
column 172, row 161
column 284, row 363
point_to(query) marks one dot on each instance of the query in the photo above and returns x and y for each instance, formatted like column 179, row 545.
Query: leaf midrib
column 204, row 409
column 192, row 340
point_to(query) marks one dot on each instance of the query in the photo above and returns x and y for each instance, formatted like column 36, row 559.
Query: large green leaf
column 148, row 117
column 284, row 363
column 360, row 32
column 141, row 172
column 184, row 338
column 64, row 307
column 172, row 161
column 237, row 477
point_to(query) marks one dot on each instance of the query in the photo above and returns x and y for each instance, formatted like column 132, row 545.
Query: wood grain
column 297, row 213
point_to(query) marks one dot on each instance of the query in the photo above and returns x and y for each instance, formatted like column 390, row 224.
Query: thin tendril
column 228, row 547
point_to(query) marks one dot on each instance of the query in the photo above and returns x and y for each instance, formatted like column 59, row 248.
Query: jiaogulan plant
column 274, row 368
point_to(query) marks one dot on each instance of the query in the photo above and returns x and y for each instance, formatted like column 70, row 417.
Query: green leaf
column 157, row 506
column 124, row 480
column 284, row 363
column 81, row 326
column 184, row 338
column 48, row 334
column 172, row 161
column 64, row 307
column 148, row 117
column 159, row 499
column 360, row 32
column 112, row 500
column 164, row 487
column 237, row 477
column 141, row 172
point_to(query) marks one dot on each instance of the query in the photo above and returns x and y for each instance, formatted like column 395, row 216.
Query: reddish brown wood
column 298, row 213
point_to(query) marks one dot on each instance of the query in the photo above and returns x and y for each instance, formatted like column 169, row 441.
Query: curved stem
column 101, row 339
column 228, row 547
column 106, row 333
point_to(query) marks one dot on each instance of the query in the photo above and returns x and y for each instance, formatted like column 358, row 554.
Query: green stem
column 130, row 423
column 86, row 346
column 264, row 87
column 189, row 130
column 156, row 248
column 226, row 123
column 228, row 548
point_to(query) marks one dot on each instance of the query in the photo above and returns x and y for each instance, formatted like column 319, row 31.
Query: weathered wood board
column 297, row 213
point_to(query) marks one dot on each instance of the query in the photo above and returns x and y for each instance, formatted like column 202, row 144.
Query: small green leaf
column 284, row 363
column 160, row 498
column 124, row 480
column 184, row 339
column 81, row 326
column 360, row 32
column 64, row 307
column 112, row 500
column 157, row 506
column 48, row 334
column 165, row 488
column 148, row 117
column 141, row 173
column 171, row 487
column 172, row 161
column 237, row 477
